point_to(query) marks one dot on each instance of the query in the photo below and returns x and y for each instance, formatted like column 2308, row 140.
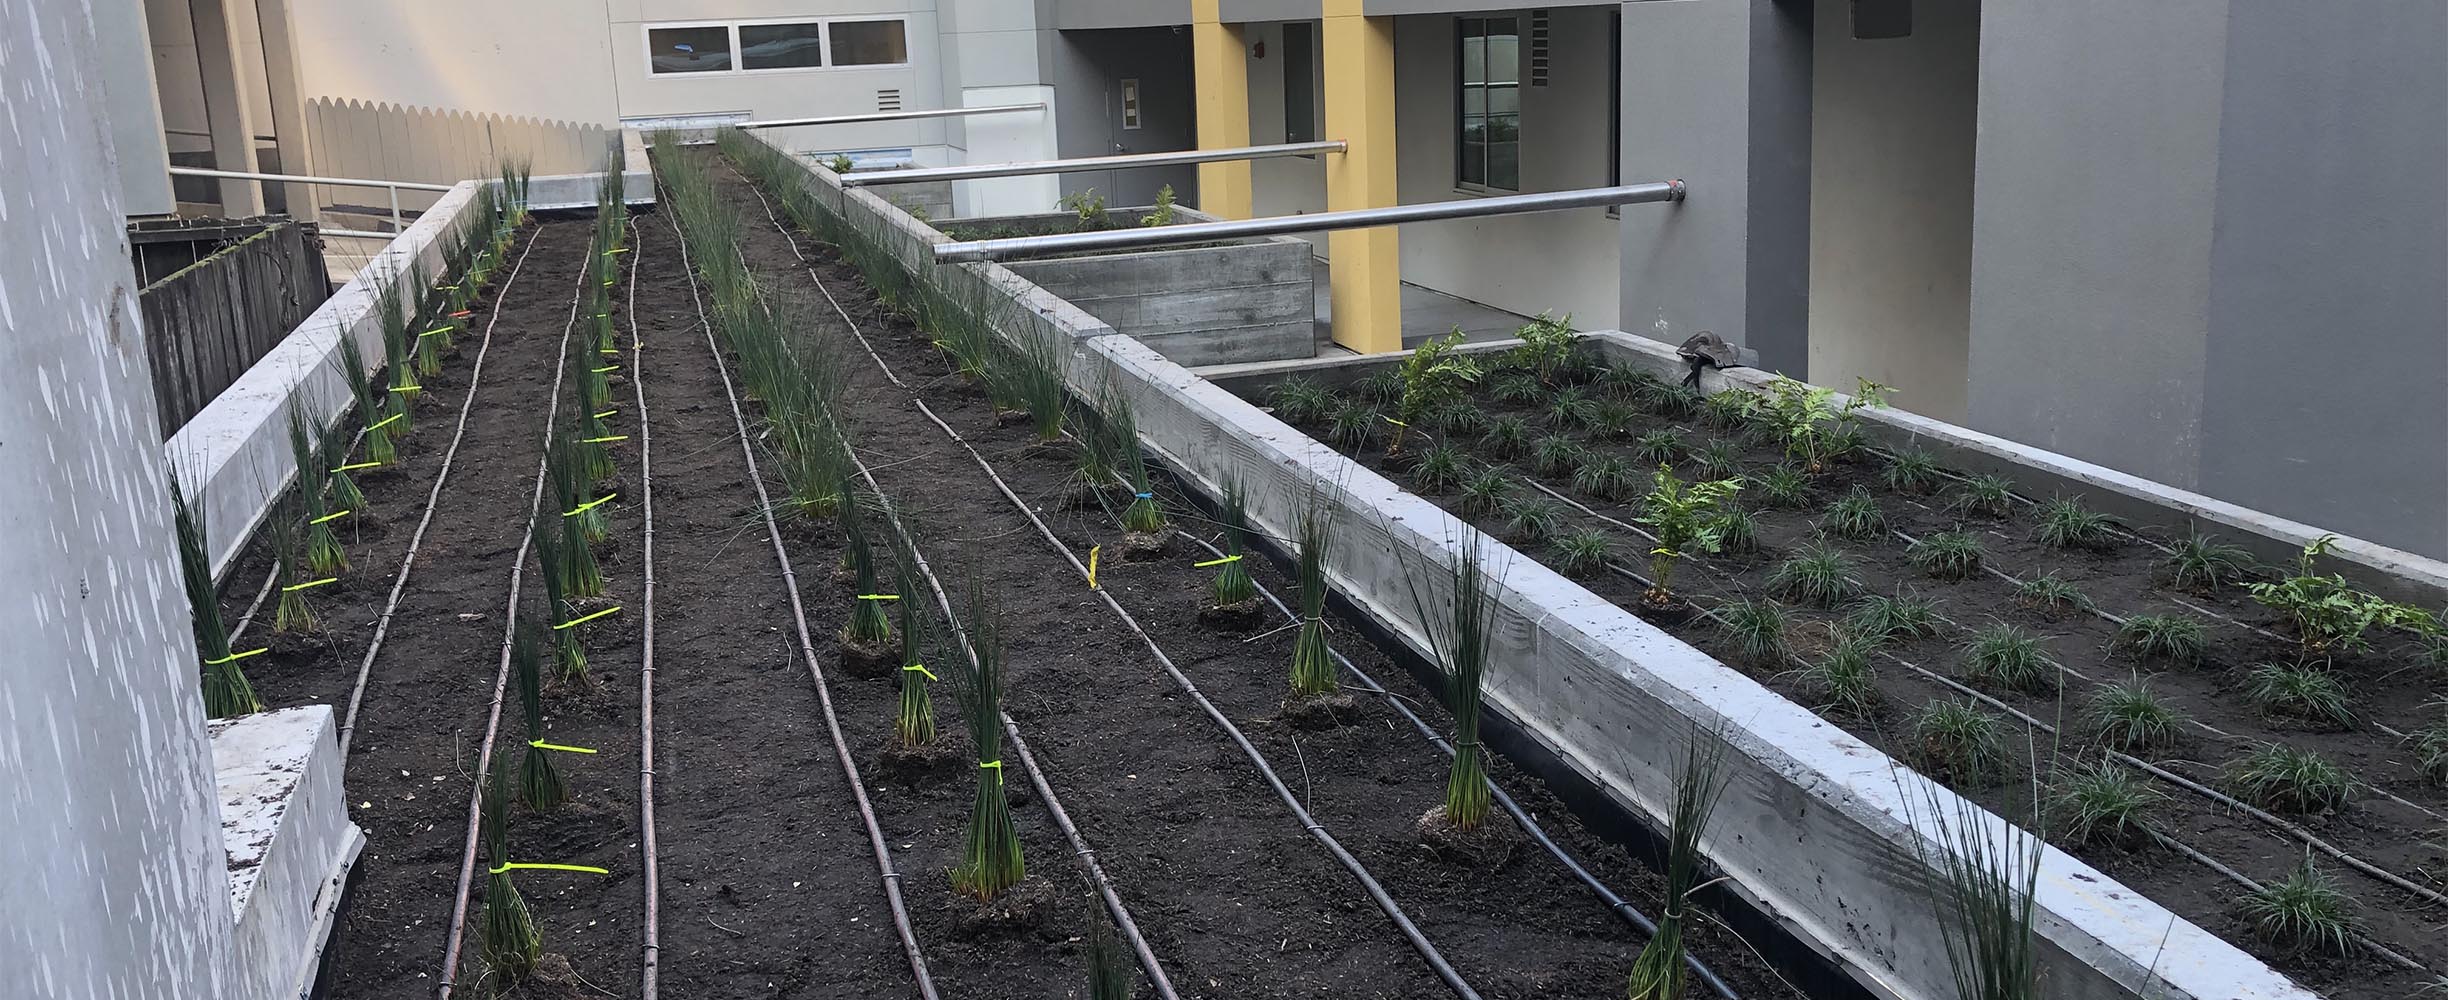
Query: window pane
column 868, row 43
column 1504, row 166
column 689, row 50
column 781, row 46
column 1474, row 163
column 1503, row 56
column 1503, row 100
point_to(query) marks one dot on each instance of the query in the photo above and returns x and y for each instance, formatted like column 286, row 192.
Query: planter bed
column 2392, row 823
column 1233, row 896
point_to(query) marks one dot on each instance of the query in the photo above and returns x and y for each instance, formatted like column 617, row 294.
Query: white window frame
column 824, row 37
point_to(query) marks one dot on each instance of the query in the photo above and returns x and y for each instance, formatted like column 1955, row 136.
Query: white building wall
column 1891, row 205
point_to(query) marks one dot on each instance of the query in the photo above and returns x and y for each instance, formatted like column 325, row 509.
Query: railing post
column 395, row 216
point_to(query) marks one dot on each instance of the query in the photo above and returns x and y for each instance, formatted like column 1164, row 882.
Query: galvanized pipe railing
column 893, row 116
column 393, row 186
column 1364, row 218
column 979, row 171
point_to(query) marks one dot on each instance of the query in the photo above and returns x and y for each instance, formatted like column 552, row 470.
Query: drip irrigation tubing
column 650, row 869
column 433, row 498
column 1120, row 913
column 1359, row 872
column 890, row 876
column 501, row 676
column 1616, row 904
column 2239, row 878
column 2295, row 831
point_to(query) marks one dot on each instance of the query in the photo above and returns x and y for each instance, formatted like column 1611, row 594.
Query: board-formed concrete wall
column 1819, row 830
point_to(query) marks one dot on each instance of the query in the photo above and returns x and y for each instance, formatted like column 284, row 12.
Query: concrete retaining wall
column 577, row 191
column 286, row 830
column 1817, row 829
column 1206, row 305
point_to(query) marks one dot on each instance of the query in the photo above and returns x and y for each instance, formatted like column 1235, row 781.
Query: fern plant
column 1434, row 374
column 1683, row 516
column 1804, row 416
column 2330, row 614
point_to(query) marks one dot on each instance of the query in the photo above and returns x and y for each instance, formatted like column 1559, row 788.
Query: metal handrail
column 892, row 116
column 1082, row 164
column 1364, row 218
column 247, row 175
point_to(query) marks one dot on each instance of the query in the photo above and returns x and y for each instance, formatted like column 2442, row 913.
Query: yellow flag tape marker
column 575, row 622
column 1092, row 561
column 607, row 413
column 541, row 745
column 436, row 331
column 309, row 583
column 608, row 351
column 1216, row 562
column 998, row 769
column 523, row 866
column 615, row 250
column 237, row 656
column 601, row 440
column 409, row 389
column 589, row 505
column 386, row 421
column 879, row 597
column 352, row 467
column 921, row 668
column 333, row 516
column 446, row 288
column 607, row 368
column 1395, row 422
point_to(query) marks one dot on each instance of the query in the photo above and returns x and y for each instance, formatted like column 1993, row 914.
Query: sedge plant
column 1314, row 672
column 1660, row 973
column 540, row 784
column 226, row 691
column 569, row 656
column 1683, row 516
column 1462, row 645
column 323, row 553
column 990, row 862
column 1983, row 880
column 1143, row 515
column 573, row 502
column 381, row 433
column 1233, row 586
column 510, row 942
column 914, row 720
column 291, row 615
column 869, row 627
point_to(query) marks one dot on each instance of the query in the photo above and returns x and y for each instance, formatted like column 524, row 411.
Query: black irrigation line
column 887, row 873
column 2220, row 798
column 1359, row 872
column 501, row 676
column 433, row 498
column 1097, row 876
column 650, row 869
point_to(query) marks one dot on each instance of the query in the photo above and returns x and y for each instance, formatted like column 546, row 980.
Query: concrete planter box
column 1204, row 305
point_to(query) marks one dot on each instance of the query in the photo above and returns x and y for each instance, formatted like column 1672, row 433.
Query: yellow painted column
column 1366, row 270
column 1221, row 79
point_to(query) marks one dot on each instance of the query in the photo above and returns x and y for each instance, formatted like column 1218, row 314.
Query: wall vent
column 888, row 100
column 1538, row 47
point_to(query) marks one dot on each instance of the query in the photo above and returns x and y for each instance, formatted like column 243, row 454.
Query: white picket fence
column 351, row 138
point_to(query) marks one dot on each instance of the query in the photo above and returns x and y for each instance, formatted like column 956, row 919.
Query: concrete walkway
column 1426, row 313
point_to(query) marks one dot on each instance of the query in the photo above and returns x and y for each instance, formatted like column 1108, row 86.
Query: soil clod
column 1020, row 911
column 1489, row 845
column 1241, row 616
column 1323, row 711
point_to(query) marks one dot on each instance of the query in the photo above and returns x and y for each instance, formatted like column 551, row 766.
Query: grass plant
column 1487, row 491
column 1660, row 972
column 914, row 717
column 1783, row 487
column 569, row 655
column 2008, row 656
column 1912, row 470
column 1855, row 515
column 1946, row 555
column 1729, row 410
column 1719, row 459
column 2431, row 746
column 868, row 626
column 572, row 501
column 1584, row 552
column 226, row 691
column 1962, row 740
column 1459, row 639
column 1353, row 425
column 1233, row 585
column 1818, row 576
column 1606, row 476
column 2304, row 912
column 1841, row 679
column 2129, row 716
column 2286, row 779
column 1109, row 977
column 1901, row 617
column 2308, row 693
column 322, row 551
column 1984, row 884
column 1985, row 495
column 2202, row 562
column 2053, row 594
column 991, row 862
column 1757, row 629
column 291, row 615
column 1569, row 409
column 1737, row 530
column 1440, row 469
column 1658, row 447
column 509, row 941
column 2102, row 803
column 2171, row 638
column 1313, row 671
column 1557, row 455
column 1533, row 518
column 1517, row 388
column 1300, row 400
column 2066, row 524
column 1507, row 437
column 1382, row 387
column 540, row 784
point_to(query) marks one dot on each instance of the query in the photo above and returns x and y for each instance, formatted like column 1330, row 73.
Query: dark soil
column 1235, row 898
column 2399, row 834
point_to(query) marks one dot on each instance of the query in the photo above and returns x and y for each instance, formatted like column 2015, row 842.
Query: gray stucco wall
column 111, row 857
column 2208, row 248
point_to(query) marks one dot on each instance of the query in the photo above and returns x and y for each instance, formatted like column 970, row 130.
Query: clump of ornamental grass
column 1458, row 418
column 1108, row 977
column 1556, row 455
column 1353, row 426
column 1606, row 476
column 1658, row 447
column 1439, row 470
column 1783, row 487
column 1623, row 381
column 2103, row 804
column 2053, row 594
column 1487, row 491
column 1729, row 410
column 1516, row 388
column 1819, row 577
column 226, row 691
column 1039, row 377
column 1382, row 387
column 1533, row 518
column 381, row 449
column 573, row 503
column 322, row 550
column 2201, row 562
column 1984, row 885
column 2306, row 693
column 1660, row 972
column 1912, row 470
column 914, row 719
column 1854, row 515
column 1946, row 555
column 1841, row 679
column 2303, row 912
column 1757, row 629
column 2129, row 716
column 2007, row 656
column 2280, row 777
column 292, row 615
column 2066, row 524
column 403, row 389
column 1569, row 409
column 1879, row 619
column 1314, row 672
column 1613, row 418
column 333, row 444
column 1300, row 400
column 1844, row 442
column 540, row 784
column 869, row 627
column 1985, row 495
column 2173, row 638
column 1233, row 586
column 1675, row 401
column 1507, row 437
column 1737, row 530
column 1584, row 552
column 1961, row 740
column 1143, row 515
column 1683, row 517
column 1717, row 460
column 991, row 861
column 2431, row 747
column 1459, row 638
column 569, row 655
column 509, row 941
